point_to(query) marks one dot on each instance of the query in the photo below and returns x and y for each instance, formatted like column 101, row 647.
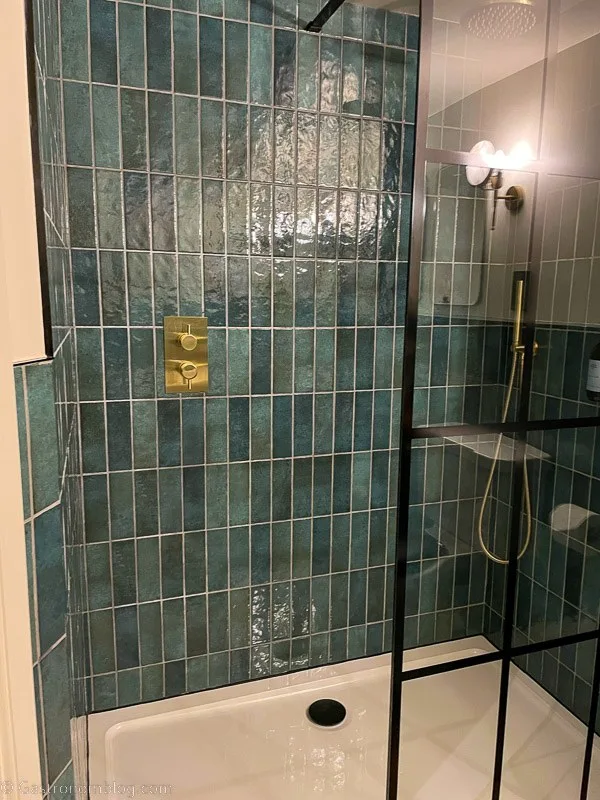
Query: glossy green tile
column 160, row 131
column 163, row 212
column 236, row 61
column 211, row 57
column 308, row 66
column 174, row 629
column 23, row 438
column 216, row 430
column 50, row 577
column 282, row 358
column 237, row 217
column 304, row 360
column 74, row 40
column 158, row 49
column 103, row 42
column 107, row 146
column 187, row 154
column 212, row 216
column 54, row 670
column 81, row 207
column 193, row 498
column 190, row 285
column 136, row 203
column 132, row 70
column 109, row 209
column 93, row 425
column 146, row 503
column 284, row 55
column 44, row 465
column 236, row 9
column 260, row 554
column 133, row 128
column 85, row 287
column 78, row 139
column 395, row 29
column 216, row 490
column 261, row 491
column 123, row 572
column 185, row 53
column 307, row 149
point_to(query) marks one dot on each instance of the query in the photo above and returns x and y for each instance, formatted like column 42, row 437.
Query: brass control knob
column 188, row 341
column 188, row 370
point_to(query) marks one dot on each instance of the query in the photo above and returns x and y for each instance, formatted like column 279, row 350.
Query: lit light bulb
column 499, row 160
column 520, row 155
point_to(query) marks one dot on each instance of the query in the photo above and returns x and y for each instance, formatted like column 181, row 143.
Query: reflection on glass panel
column 558, row 592
column 568, row 303
column 486, row 75
column 546, row 727
column 475, row 248
column 451, row 591
column 571, row 121
column 448, row 732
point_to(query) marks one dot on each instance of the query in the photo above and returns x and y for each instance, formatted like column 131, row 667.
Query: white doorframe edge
column 19, row 749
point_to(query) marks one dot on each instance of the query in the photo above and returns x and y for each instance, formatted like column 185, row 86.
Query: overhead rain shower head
column 501, row 20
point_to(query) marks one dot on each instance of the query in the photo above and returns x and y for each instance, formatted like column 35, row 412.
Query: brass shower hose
column 518, row 359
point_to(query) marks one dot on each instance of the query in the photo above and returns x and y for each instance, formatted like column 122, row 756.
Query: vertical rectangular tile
column 185, row 53
column 103, row 42
column 236, row 61
column 132, row 58
column 74, row 39
column 107, row 146
column 284, row 68
column 261, row 46
column 330, row 74
column 211, row 57
column 187, row 143
column 158, row 48
column 160, row 131
column 76, row 98
column 109, row 209
column 211, row 129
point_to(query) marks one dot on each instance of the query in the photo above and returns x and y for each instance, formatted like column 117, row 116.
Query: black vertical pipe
column 326, row 13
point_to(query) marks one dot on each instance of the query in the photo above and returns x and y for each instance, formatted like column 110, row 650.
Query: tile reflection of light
column 305, row 230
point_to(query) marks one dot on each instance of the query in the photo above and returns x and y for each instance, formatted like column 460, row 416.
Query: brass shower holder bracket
column 186, row 354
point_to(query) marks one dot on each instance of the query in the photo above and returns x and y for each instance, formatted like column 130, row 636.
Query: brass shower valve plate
column 186, row 354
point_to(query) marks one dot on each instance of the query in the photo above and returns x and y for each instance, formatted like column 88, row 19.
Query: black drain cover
column 326, row 713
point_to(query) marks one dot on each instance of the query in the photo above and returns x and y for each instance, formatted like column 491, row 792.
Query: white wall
column 24, row 323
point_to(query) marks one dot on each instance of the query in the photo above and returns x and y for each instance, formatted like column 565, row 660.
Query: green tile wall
column 49, row 444
column 559, row 590
column 239, row 167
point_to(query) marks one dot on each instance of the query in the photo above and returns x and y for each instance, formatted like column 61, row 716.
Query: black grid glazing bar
column 408, row 390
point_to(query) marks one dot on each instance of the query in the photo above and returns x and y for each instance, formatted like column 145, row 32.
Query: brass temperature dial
column 188, row 341
column 188, row 370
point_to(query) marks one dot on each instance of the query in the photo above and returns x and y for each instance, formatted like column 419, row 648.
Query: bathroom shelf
column 485, row 445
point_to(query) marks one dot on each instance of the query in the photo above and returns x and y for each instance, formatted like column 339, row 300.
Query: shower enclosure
column 497, row 453
column 389, row 496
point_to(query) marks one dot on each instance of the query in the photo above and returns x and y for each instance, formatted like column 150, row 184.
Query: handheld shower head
column 501, row 20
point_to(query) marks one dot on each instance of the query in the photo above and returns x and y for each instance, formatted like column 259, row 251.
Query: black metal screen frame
column 36, row 163
column 542, row 169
